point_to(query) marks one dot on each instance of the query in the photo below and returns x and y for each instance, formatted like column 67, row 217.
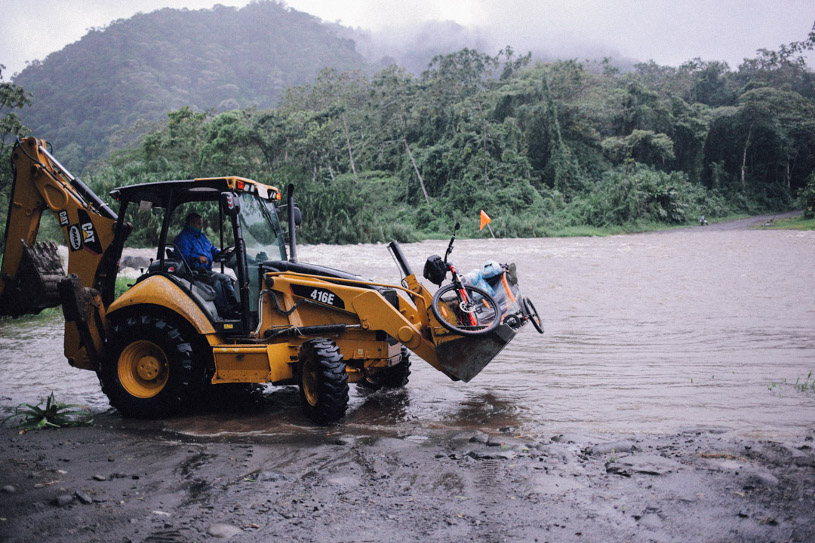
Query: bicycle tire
column 447, row 308
column 532, row 314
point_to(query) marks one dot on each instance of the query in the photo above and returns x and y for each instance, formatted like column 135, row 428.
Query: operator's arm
column 206, row 250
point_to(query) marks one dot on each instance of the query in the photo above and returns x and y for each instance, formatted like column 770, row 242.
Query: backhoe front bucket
column 463, row 357
column 34, row 286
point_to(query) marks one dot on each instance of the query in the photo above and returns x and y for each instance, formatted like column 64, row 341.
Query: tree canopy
column 542, row 147
column 12, row 99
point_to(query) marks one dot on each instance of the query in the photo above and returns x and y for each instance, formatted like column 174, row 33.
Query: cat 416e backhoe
column 160, row 345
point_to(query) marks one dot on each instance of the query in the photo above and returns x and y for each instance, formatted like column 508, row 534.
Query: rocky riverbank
column 133, row 481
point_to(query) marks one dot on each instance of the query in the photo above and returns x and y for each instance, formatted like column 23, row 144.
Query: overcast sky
column 667, row 31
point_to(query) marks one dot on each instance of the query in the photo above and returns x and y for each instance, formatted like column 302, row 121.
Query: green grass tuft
column 793, row 223
column 53, row 415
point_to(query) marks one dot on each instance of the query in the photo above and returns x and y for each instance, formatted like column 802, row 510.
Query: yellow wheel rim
column 143, row 369
column 309, row 383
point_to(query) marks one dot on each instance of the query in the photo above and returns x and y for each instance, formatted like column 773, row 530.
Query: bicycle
column 463, row 309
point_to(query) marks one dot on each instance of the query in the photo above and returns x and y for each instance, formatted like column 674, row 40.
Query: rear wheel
column 149, row 370
column 470, row 315
column 390, row 377
column 323, row 381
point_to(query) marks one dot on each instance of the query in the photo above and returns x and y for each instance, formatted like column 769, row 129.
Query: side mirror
column 298, row 217
column 230, row 203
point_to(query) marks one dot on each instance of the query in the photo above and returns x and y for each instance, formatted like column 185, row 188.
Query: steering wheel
column 225, row 255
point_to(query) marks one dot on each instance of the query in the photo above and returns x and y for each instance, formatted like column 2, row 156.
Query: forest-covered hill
column 101, row 91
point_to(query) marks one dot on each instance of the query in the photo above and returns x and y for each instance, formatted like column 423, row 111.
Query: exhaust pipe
column 292, row 240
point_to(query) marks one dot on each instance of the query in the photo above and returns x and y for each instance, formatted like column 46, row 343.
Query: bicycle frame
column 463, row 298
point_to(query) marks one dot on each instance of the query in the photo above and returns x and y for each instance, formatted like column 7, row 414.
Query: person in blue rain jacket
column 199, row 253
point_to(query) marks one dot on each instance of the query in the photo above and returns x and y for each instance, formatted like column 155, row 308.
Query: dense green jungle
column 567, row 147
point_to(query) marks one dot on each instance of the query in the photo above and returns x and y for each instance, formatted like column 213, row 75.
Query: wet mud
column 136, row 482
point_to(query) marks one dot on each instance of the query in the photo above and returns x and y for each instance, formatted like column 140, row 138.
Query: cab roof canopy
column 191, row 190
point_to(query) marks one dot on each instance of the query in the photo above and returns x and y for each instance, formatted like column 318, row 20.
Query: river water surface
column 704, row 327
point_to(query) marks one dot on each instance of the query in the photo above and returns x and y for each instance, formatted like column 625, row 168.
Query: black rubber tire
column 442, row 311
column 532, row 314
column 144, row 346
column 323, row 381
column 393, row 377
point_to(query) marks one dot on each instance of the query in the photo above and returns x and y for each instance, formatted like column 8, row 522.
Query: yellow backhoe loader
column 160, row 345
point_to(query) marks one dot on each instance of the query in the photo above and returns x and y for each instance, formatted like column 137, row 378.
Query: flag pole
column 485, row 221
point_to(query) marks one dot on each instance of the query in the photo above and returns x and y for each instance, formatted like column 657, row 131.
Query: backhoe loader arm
column 29, row 274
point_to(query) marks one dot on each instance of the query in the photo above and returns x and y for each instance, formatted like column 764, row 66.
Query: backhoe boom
column 30, row 271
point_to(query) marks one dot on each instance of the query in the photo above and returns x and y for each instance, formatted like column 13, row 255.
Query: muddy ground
column 134, row 481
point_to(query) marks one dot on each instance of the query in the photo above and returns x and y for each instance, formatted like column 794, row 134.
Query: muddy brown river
column 703, row 327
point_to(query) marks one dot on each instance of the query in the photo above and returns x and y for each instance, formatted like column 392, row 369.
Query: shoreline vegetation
column 560, row 148
column 799, row 222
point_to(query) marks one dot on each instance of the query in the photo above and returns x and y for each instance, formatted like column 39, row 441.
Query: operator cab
column 240, row 218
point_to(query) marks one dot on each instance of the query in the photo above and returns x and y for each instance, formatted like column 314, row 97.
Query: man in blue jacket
column 199, row 254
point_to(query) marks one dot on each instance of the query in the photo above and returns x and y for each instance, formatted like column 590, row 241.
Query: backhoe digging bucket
column 34, row 287
column 463, row 357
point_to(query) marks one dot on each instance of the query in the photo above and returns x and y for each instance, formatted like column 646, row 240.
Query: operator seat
column 174, row 263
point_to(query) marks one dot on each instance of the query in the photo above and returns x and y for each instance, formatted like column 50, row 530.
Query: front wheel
column 148, row 370
column 532, row 314
column 323, row 381
column 465, row 310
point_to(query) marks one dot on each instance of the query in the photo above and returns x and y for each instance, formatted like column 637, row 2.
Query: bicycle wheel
column 532, row 314
column 470, row 313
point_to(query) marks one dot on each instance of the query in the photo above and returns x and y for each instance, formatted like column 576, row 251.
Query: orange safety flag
column 485, row 220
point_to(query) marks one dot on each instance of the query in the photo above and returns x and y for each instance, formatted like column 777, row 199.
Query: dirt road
column 741, row 224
